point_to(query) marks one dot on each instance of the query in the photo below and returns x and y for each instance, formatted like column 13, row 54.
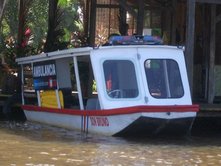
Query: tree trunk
column 53, row 30
column 22, row 20
column 21, row 24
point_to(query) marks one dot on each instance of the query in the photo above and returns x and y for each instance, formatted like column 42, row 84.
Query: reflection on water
column 31, row 144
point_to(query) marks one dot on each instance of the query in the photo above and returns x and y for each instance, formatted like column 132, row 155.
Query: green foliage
column 24, row 32
column 63, row 3
column 38, row 16
column 10, row 19
column 63, row 22
column 37, row 22
column 70, row 22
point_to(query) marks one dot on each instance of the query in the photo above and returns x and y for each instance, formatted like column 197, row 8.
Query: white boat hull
column 137, row 123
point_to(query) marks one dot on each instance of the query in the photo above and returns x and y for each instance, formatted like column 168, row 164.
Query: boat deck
column 209, row 110
column 208, row 120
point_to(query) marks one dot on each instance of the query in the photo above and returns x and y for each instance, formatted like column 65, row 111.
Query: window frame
column 166, row 80
column 135, row 76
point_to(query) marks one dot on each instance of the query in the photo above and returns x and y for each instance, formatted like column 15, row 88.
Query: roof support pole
column 58, row 97
column 22, row 85
column 190, row 30
column 77, row 77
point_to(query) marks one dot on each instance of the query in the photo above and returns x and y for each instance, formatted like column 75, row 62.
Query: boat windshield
column 120, row 79
column 163, row 78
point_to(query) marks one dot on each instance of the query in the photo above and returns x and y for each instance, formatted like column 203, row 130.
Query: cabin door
column 161, row 72
column 117, row 77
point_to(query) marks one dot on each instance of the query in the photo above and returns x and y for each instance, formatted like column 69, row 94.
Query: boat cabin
column 125, row 73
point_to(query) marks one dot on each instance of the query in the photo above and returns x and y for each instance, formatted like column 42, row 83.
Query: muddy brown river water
column 32, row 144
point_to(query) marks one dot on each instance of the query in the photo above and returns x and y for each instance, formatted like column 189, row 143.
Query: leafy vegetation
column 38, row 26
column 29, row 27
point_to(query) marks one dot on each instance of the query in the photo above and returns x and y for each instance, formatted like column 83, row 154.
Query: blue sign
column 44, row 75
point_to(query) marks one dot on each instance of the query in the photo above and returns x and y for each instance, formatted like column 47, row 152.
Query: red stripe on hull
column 118, row 111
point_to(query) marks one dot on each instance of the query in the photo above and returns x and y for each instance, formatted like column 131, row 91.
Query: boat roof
column 55, row 55
column 82, row 52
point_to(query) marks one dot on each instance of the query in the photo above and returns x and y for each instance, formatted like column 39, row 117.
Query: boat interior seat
column 69, row 100
column 93, row 104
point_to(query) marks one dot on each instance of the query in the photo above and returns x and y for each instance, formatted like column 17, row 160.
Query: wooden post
column 128, row 8
column 123, row 20
column 211, row 86
column 92, row 23
column 174, row 23
column 206, row 46
column 190, row 30
column 86, row 17
column 140, row 17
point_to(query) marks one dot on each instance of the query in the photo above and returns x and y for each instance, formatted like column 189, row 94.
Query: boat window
column 163, row 78
column 120, row 79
